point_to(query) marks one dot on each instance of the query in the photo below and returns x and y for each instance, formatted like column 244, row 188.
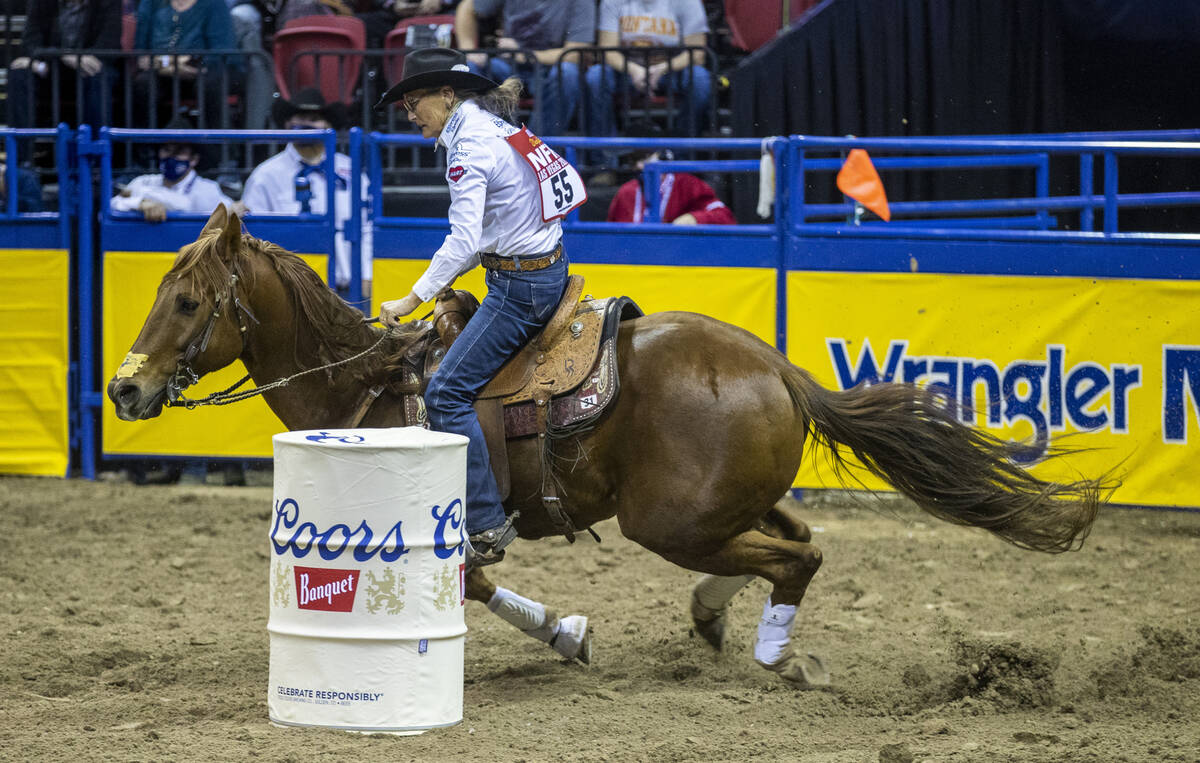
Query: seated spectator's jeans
column 693, row 89
column 260, row 83
column 517, row 306
column 557, row 106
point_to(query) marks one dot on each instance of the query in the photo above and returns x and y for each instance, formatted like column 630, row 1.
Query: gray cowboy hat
column 311, row 101
column 434, row 67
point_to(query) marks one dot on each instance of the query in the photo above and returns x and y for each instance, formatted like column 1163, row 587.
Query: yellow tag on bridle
column 133, row 361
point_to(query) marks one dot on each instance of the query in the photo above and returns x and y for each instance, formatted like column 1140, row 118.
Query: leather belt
column 530, row 262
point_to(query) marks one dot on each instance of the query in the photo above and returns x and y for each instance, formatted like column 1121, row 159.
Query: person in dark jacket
column 66, row 24
column 167, row 26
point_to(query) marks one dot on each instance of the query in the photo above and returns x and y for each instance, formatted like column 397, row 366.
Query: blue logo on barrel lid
column 345, row 439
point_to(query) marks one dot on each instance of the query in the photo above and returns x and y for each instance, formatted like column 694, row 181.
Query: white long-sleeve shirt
column 495, row 204
column 271, row 189
column 191, row 194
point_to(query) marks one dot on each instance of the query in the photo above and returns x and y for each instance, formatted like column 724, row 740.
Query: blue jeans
column 692, row 88
column 557, row 111
column 517, row 306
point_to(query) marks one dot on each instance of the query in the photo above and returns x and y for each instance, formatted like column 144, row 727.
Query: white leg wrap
column 516, row 610
column 774, row 632
column 711, row 593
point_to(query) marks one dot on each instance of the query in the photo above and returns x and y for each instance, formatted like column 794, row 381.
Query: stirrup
column 488, row 546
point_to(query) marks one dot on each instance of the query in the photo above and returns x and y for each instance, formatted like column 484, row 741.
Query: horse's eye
column 188, row 306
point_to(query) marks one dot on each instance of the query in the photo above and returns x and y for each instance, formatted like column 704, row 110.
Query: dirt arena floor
column 134, row 629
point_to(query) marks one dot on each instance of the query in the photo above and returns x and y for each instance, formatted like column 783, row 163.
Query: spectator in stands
column 648, row 24
column 684, row 199
column 171, row 25
column 29, row 192
column 293, row 181
column 175, row 188
column 79, row 24
column 247, row 21
column 546, row 27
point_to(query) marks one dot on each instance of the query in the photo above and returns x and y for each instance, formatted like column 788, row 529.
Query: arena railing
column 641, row 104
column 968, row 152
column 379, row 68
column 61, row 137
column 125, row 65
column 38, row 344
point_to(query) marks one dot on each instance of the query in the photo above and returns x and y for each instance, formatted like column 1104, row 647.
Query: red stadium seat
column 352, row 24
column 335, row 74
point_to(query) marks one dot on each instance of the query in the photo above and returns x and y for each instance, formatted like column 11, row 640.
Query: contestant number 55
column 563, row 192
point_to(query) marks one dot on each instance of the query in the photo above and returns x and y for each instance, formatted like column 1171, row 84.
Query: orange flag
column 858, row 179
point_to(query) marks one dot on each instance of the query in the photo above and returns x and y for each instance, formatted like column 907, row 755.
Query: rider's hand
column 687, row 218
column 392, row 311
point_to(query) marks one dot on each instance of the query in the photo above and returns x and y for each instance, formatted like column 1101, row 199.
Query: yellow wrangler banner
column 1033, row 357
column 240, row 430
column 34, row 361
column 742, row 296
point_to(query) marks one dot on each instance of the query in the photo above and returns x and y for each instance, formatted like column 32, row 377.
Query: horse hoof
column 712, row 631
column 574, row 639
column 806, row 671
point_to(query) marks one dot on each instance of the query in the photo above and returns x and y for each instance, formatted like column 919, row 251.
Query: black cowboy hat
column 434, row 67
column 311, row 101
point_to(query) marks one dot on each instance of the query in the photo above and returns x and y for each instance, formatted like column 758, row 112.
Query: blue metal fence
column 1015, row 235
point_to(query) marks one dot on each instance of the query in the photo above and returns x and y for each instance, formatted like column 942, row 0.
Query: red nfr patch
column 456, row 172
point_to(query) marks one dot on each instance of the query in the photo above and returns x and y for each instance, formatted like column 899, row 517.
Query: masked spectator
column 175, row 188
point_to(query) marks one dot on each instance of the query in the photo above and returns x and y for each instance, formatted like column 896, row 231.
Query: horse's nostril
column 127, row 394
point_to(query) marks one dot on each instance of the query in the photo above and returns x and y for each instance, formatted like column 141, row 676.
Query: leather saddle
column 565, row 377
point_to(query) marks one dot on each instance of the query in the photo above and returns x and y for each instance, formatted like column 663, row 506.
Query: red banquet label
column 456, row 172
column 325, row 589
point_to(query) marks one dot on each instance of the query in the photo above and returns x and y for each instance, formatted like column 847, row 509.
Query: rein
column 185, row 376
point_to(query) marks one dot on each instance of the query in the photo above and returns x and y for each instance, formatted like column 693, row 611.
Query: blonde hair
column 501, row 100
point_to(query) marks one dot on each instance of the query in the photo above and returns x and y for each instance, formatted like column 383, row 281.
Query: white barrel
column 367, row 579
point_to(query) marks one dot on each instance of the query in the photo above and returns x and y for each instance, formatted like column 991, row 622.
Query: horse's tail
column 906, row 436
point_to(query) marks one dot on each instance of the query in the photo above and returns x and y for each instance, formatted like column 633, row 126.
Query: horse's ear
column 216, row 221
column 231, row 237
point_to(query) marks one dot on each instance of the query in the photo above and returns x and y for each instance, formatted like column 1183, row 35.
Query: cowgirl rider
column 508, row 192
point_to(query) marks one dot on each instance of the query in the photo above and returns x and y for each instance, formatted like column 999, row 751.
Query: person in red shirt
column 683, row 199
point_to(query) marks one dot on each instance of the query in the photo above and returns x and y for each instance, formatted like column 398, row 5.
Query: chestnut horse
column 705, row 436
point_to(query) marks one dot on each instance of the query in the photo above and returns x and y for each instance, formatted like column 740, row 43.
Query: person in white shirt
column 176, row 187
column 293, row 181
column 508, row 192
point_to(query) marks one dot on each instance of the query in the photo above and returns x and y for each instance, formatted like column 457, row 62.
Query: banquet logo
column 454, row 173
column 325, row 589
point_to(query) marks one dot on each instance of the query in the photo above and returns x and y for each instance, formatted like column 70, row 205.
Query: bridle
column 185, row 376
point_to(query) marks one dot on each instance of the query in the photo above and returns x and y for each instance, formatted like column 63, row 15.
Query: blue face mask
column 172, row 169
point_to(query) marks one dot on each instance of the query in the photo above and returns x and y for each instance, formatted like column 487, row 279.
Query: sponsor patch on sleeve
column 456, row 172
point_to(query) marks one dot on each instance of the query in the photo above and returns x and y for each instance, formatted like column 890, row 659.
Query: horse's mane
column 337, row 328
